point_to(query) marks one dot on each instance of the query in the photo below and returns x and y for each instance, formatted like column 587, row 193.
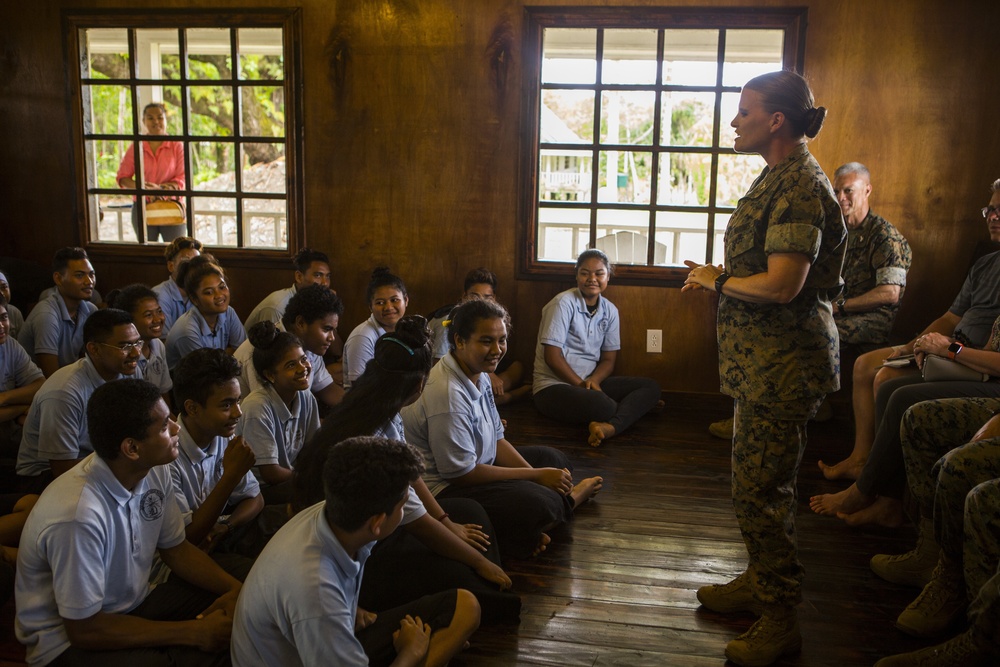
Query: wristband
column 443, row 517
column 720, row 281
column 954, row 349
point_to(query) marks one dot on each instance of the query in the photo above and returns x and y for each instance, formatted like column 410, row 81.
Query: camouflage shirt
column 877, row 254
column 780, row 352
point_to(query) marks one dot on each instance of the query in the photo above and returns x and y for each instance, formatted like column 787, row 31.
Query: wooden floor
column 617, row 587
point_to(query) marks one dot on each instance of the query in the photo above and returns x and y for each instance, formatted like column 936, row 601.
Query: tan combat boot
column 939, row 605
column 776, row 633
column 960, row 651
column 722, row 429
column 730, row 598
column 913, row 568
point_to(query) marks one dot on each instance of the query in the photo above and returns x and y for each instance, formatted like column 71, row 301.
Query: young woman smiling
column 387, row 299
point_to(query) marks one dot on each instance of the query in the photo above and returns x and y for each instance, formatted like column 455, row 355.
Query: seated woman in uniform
column 142, row 304
column 441, row 546
column 212, row 322
column 387, row 299
column 455, row 424
column 282, row 415
column 578, row 343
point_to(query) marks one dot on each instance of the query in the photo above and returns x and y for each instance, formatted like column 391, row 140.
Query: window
column 628, row 147
column 220, row 91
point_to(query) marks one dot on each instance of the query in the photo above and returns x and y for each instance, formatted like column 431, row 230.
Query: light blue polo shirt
column 413, row 508
column 49, row 329
column 454, row 424
column 272, row 308
column 274, row 432
column 154, row 369
column 319, row 377
column 15, row 319
column 88, row 547
column 16, row 368
column 300, row 600
column 191, row 332
column 568, row 325
column 56, row 426
column 196, row 472
column 172, row 303
column 359, row 348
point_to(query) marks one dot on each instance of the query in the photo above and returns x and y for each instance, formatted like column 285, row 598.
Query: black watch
column 954, row 349
column 720, row 281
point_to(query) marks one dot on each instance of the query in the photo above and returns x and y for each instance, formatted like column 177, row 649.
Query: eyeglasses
column 987, row 211
column 125, row 347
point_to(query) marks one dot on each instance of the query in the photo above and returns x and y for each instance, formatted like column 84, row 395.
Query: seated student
column 456, row 427
column 387, row 299
column 218, row 496
column 147, row 316
column 173, row 300
column 83, row 593
column 55, row 433
column 311, row 268
column 281, row 416
column 14, row 510
column 480, row 283
column 443, row 545
column 300, row 603
column 311, row 316
column 53, row 332
column 212, row 322
column 20, row 380
column 578, row 343
column 13, row 313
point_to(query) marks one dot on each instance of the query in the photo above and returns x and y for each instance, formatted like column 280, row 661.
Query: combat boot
column 722, row 429
column 913, row 568
column 938, row 606
column 960, row 651
column 730, row 598
column 776, row 633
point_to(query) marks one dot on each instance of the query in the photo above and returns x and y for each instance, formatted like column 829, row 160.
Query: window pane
column 736, row 175
column 157, row 54
column 569, row 56
column 211, row 110
column 214, row 165
column 627, row 117
column 684, row 179
column 562, row 233
column 113, row 214
column 687, row 118
column 567, row 117
column 171, row 98
column 265, row 223
column 730, row 105
column 261, row 54
column 103, row 157
column 749, row 53
column 683, row 236
column 215, row 220
column 690, row 57
column 209, row 53
column 105, row 53
column 263, row 111
column 110, row 109
column 719, row 251
column 623, row 235
column 564, row 175
column 625, row 177
column 263, row 167
column 629, row 56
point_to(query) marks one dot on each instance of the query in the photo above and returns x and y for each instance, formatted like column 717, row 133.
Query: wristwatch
column 954, row 349
column 720, row 280
column 840, row 306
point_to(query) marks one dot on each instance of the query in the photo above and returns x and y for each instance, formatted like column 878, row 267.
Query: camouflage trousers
column 931, row 429
column 768, row 442
column 982, row 561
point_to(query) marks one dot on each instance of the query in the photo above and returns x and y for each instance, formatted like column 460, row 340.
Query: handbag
column 164, row 212
column 940, row 369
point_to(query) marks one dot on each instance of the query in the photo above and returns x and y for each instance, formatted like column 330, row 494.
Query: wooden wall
column 411, row 114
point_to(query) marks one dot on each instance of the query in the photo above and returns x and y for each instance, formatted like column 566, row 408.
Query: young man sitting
column 312, row 267
column 172, row 297
column 82, row 587
column 300, row 602
column 218, row 495
column 55, row 432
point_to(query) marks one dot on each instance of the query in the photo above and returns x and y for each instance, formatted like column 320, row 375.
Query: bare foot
column 586, row 490
column 849, row 468
column 884, row 511
column 543, row 542
column 658, row 408
column 599, row 432
column 848, row 501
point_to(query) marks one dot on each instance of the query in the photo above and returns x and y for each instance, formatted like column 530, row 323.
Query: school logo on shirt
column 151, row 505
column 604, row 324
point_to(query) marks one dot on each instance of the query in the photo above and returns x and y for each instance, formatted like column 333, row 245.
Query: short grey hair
column 853, row 168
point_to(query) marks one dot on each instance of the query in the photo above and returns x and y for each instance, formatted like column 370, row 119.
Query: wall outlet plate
column 654, row 340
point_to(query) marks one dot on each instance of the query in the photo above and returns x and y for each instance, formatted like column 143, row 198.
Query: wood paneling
column 412, row 121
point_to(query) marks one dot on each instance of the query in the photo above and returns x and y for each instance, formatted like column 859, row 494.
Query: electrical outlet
column 654, row 340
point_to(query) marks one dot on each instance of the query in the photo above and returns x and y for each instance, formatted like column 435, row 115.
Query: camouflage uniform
column 982, row 562
column 779, row 360
column 877, row 254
